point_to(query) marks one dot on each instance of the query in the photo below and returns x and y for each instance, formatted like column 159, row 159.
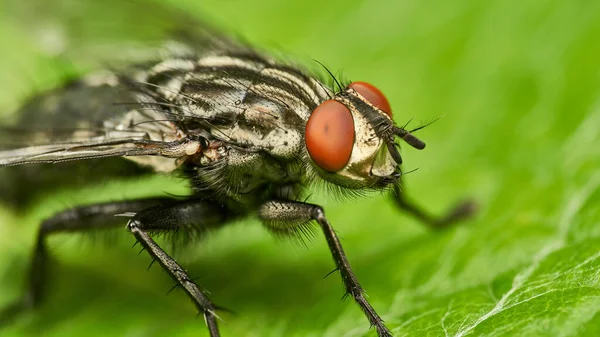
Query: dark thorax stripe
column 295, row 86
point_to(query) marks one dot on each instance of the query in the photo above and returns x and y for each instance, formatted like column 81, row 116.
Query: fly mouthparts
column 409, row 138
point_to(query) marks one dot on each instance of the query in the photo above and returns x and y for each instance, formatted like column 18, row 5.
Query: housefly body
column 249, row 133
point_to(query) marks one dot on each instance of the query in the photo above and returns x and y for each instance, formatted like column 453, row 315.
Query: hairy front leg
column 287, row 217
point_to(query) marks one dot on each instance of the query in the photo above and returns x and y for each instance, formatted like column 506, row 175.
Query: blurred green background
column 517, row 84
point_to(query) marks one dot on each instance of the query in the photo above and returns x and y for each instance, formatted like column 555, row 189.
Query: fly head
column 352, row 139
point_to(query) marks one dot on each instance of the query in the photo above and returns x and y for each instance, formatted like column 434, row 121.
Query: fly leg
column 78, row 219
column 190, row 216
column 459, row 212
column 283, row 216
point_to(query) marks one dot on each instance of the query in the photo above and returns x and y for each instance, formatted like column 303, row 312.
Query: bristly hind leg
column 78, row 219
column 284, row 216
column 460, row 212
column 190, row 216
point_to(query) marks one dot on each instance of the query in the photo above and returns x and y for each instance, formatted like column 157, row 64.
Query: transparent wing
column 95, row 147
column 83, row 121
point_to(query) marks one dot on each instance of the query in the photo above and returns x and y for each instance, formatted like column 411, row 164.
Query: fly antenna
column 409, row 138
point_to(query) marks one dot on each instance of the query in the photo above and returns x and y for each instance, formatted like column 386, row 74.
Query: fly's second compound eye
column 330, row 135
column 373, row 95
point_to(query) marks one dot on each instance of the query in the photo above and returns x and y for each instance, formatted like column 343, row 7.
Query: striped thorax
column 254, row 114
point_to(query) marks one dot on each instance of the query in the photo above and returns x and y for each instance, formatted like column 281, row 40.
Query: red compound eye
column 330, row 135
column 372, row 95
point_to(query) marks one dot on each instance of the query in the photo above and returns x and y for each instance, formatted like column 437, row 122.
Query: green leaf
column 517, row 85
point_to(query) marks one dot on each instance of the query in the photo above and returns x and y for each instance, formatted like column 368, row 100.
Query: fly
column 248, row 132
